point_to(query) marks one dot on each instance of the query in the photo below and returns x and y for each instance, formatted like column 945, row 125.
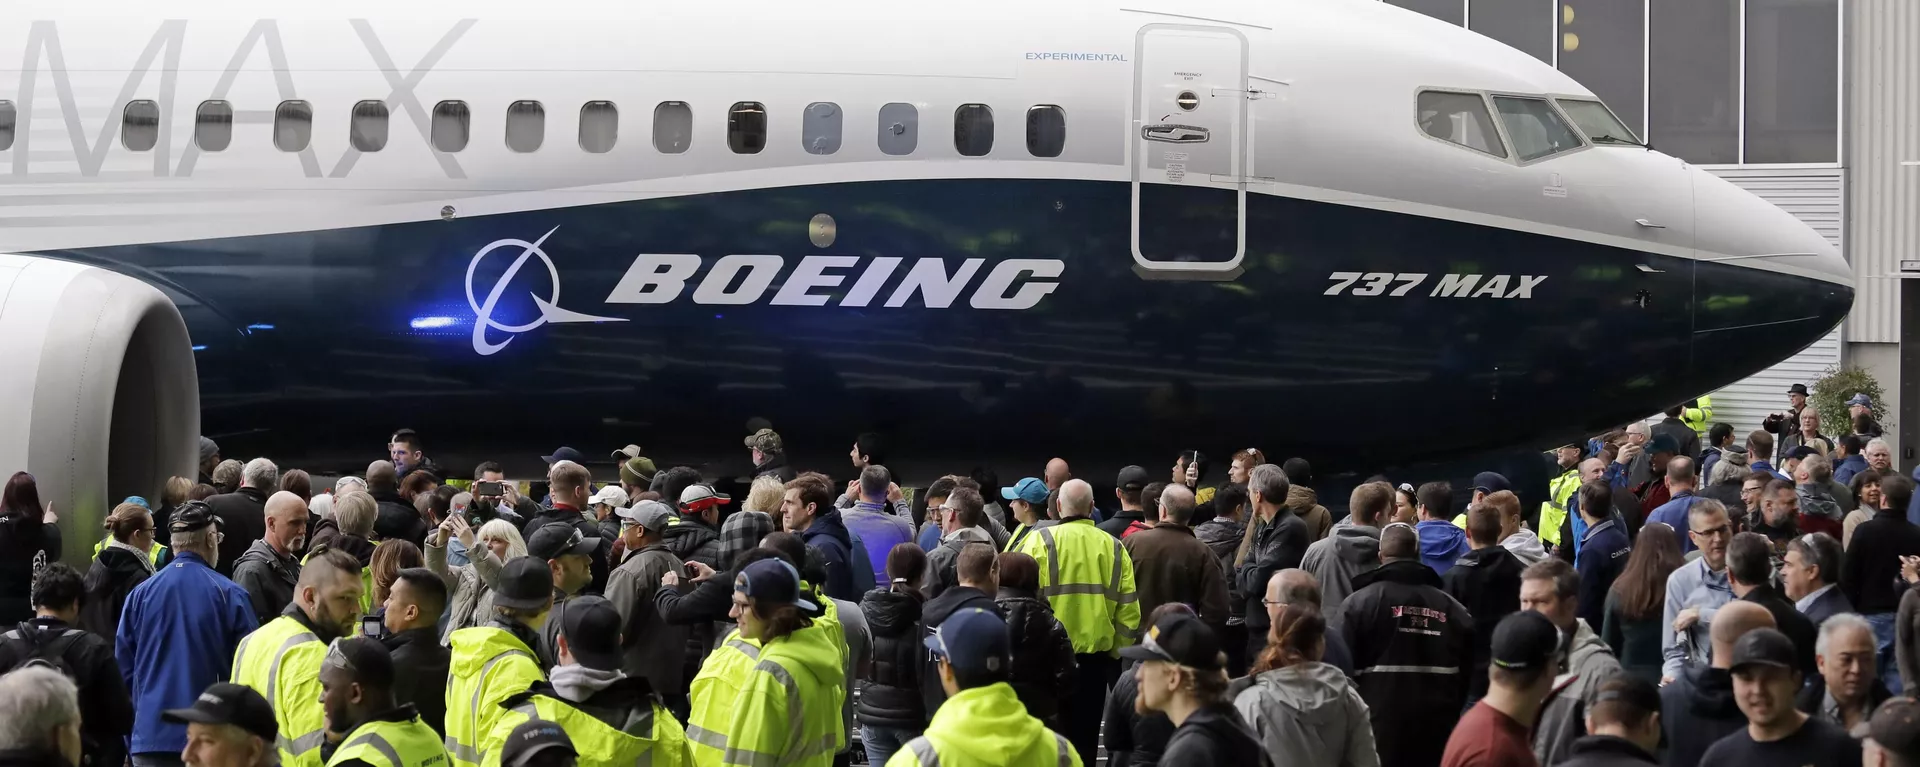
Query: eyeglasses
column 1273, row 602
column 1718, row 532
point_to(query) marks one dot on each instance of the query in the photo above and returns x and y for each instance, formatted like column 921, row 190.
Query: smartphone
column 692, row 572
column 486, row 489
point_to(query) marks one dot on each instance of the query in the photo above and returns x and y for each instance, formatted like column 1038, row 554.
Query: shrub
column 1831, row 392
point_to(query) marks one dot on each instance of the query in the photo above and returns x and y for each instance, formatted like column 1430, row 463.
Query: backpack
column 33, row 650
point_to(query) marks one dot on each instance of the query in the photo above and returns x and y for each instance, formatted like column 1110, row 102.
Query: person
column 1810, row 574
column 1552, row 588
column 28, row 532
column 1277, row 540
column 412, row 620
column 242, row 511
column 770, row 456
column 1487, row 582
column 228, row 725
column 1866, row 487
column 1719, row 444
column 356, row 513
column 1042, row 670
column 408, row 453
column 744, row 528
column 1088, row 579
column 1132, row 736
column 1808, row 435
column 1353, row 545
column 1027, row 500
column 1441, row 541
column 1788, row 423
column 1660, row 489
column 1750, row 575
column 1765, row 679
column 1298, row 587
column 962, row 517
column 1698, row 705
column 982, row 724
column 52, row 639
column 1680, row 481
column 1553, row 511
column 1849, row 458
column 1893, row 735
column 889, row 705
column 874, row 518
column 270, row 568
column 1170, row 564
column 1847, row 688
column 394, row 515
column 178, row 634
column 1631, row 624
column 388, row 560
column 470, row 585
column 978, row 571
column 1603, row 551
column 1127, row 489
column 1824, row 503
column 651, row 649
column 496, row 660
column 809, row 512
column 1623, row 725
column 1182, row 673
column 118, row 568
column 1526, row 654
column 39, row 719
column 1302, row 710
column 1683, row 435
column 357, row 679
column 1302, row 501
column 281, row 660
column 1870, row 571
column 572, row 486
column 569, row 557
column 1412, row 646
column 1696, row 591
column 786, row 706
column 1222, row 535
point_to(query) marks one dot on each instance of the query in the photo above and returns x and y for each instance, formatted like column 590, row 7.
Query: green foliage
column 1831, row 392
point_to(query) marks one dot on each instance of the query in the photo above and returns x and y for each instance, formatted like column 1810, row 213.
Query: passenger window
column 973, row 130
column 369, row 127
column 7, row 116
column 747, row 127
column 526, row 126
column 452, row 126
column 1046, row 131
column 672, row 127
column 213, row 126
column 899, row 129
column 820, row 128
column 292, row 126
column 1460, row 118
column 140, row 125
column 599, row 126
column 1535, row 129
column 1598, row 122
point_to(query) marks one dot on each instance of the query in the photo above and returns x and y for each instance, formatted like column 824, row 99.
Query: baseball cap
column 524, row 584
column 627, row 453
column 558, row 539
column 1860, row 398
column 191, row 516
column 1178, row 638
column 611, row 495
column 1763, row 647
column 229, row 703
column 652, row 515
column 592, row 628
column 701, row 495
column 138, row 501
column 1802, row 451
column 772, row 580
column 1525, row 640
column 564, row 454
column 534, row 736
column 1896, row 727
column 1132, row 478
column 973, row 640
column 366, row 657
column 1735, row 448
column 637, row 471
column 1490, row 482
column 765, row 440
column 208, row 448
column 1800, row 389
column 1662, row 443
column 1030, row 489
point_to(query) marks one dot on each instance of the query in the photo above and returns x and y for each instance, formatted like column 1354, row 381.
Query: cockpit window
column 1459, row 118
column 1534, row 127
column 1599, row 123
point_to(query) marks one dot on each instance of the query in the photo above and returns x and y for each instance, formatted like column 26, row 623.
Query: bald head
column 286, row 523
column 1398, row 542
column 1057, row 473
column 1733, row 621
column 1076, row 498
column 381, row 475
column 1293, row 586
column 1680, row 471
column 1176, row 505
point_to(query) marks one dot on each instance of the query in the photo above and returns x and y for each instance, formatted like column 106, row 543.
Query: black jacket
column 31, row 757
column 829, row 535
column 20, row 539
column 268, row 578
column 1790, row 622
column 775, row 467
column 111, row 578
column 1043, row 664
column 1216, row 736
column 1814, row 695
column 398, row 520
column 1683, row 435
column 106, row 709
column 420, row 673
column 1412, row 650
column 890, row 692
column 1696, row 710
column 1280, row 545
column 1870, row 573
column 589, row 529
column 1607, row 751
column 936, row 612
column 1117, row 524
column 243, row 520
column 1133, row 738
column 1487, row 582
column 691, row 539
column 1832, row 603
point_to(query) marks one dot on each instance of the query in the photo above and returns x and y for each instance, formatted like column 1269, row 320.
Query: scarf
column 146, row 560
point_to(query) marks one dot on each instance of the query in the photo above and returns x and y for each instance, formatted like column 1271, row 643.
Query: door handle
column 1648, row 224
column 1175, row 134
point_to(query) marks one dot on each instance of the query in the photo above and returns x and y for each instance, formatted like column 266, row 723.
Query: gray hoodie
column 940, row 574
column 1589, row 664
column 1525, row 545
column 1309, row 713
column 1335, row 559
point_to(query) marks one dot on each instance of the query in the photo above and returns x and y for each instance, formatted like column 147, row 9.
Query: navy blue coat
column 1603, row 554
column 829, row 534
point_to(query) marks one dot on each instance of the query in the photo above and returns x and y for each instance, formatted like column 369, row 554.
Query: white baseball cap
column 611, row 495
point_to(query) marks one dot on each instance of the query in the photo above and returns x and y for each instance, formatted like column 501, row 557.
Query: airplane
column 995, row 231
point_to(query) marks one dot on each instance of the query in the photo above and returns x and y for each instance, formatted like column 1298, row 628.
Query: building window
column 973, row 130
column 899, row 129
column 1535, row 129
column 1459, row 118
column 747, row 127
column 1693, row 97
column 1527, row 25
column 1793, row 81
column 599, row 126
column 7, row 116
column 292, row 126
column 672, row 127
column 1603, row 45
column 1450, row 11
column 526, row 126
column 452, row 126
column 369, row 126
column 820, row 128
column 140, row 125
column 1046, row 131
column 213, row 126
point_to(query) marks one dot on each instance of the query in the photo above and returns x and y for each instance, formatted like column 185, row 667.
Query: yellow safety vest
column 1696, row 418
column 281, row 661
column 392, row 744
column 599, row 744
column 488, row 665
column 1088, row 579
column 713, row 693
column 156, row 553
column 1553, row 511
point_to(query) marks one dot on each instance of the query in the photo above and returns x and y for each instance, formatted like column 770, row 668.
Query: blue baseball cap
column 138, row 501
column 973, row 640
column 1031, row 490
column 1861, row 399
column 772, row 580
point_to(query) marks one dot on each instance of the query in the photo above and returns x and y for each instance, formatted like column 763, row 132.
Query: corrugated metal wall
column 1882, row 130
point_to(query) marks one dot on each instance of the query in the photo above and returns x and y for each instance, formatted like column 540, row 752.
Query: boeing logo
column 735, row 280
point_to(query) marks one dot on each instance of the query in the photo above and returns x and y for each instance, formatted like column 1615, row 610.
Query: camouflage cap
column 765, row 441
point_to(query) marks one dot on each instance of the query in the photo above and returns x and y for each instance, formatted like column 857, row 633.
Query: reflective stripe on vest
column 293, row 746
column 392, row 744
column 1111, row 590
column 470, row 754
column 1445, row 670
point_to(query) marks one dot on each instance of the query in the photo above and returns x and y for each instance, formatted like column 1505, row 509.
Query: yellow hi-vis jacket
column 987, row 727
column 389, row 743
column 156, row 554
column 653, row 738
column 1087, row 578
column 1553, row 511
column 722, row 731
column 488, row 665
column 1697, row 418
column 281, row 661
column 713, row 694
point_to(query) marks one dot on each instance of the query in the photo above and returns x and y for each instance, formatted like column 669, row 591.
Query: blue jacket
column 1768, row 468
column 1844, row 470
column 178, row 634
column 1603, row 554
column 829, row 534
column 1674, row 514
column 1441, row 542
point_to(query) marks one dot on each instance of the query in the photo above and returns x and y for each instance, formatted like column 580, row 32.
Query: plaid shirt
column 742, row 531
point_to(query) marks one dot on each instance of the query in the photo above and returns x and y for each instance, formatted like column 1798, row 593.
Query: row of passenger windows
column 1533, row 126
column 451, row 127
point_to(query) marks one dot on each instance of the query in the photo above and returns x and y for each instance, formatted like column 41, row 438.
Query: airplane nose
column 1765, row 283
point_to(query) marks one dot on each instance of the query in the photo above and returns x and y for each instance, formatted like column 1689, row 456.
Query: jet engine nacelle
column 101, row 400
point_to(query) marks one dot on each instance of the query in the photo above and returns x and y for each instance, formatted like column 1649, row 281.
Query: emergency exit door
column 1189, row 149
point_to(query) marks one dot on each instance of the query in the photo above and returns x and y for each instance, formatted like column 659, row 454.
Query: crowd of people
column 1677, row 600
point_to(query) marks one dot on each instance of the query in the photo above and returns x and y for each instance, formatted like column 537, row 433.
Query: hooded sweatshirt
column 829, row 534
column 987, row 727
column 1441, row 544
column 1309, row 713
column 1696, row 710
column 1819, row 512
column 1337, row 558
column 1215, row 735
column 1525, row 545
column 1589, row 664
column 1306, row 504
column 805, row 725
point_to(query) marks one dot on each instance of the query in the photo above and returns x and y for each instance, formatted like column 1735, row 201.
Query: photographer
column 471, row 586
column 1784, row 426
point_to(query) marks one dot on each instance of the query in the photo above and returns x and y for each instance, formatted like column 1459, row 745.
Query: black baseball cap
column 1133, row 479
column 554, row 540
column 366, row 658
column 773, row 581
column 1491, row 482
column 592, row 629
column 229, row 703
column 1525, row 640
column 1896, row 727
column 1178, row 638
column 524, row 584
column 191, row 516
column 532, row 737
column 973, row 640
column 1802, row 451
column 1763, row 647
column 564, row 454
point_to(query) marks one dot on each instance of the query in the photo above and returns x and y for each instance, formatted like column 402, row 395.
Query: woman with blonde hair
column 126, row 561
column 756, row 518
column 1305, row 711
column 470, row 587
column 172, row 495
